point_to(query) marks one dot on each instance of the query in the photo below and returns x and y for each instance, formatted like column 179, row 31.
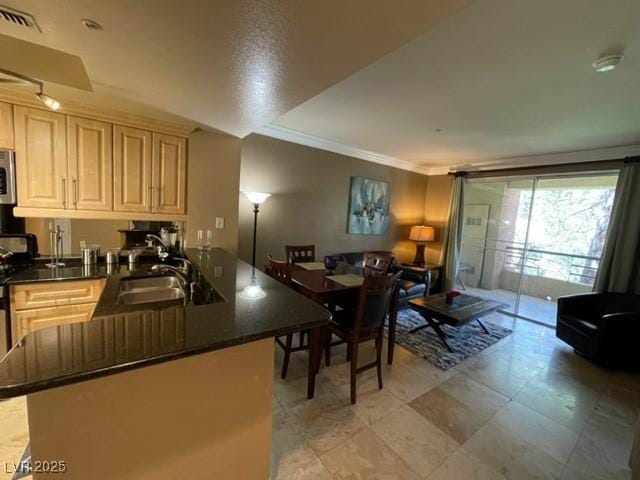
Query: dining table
column 333, row 289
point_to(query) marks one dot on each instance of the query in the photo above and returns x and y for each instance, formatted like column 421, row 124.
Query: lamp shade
column 256, row 198
column 420, row 233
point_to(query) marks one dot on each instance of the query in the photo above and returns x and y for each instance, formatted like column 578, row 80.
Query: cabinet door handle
column 159, row 197
column 64, row 193
column 75, row 192
column 150, row 192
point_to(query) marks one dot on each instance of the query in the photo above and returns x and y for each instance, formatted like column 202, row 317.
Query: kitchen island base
column 203, row 416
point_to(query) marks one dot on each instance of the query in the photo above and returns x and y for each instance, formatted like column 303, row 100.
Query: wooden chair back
column 300, row 253
column 377, row 263
column 376, row 294
column 280, row 270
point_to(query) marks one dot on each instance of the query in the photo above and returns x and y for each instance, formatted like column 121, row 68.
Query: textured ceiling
column 501, row 79
column 232, row 65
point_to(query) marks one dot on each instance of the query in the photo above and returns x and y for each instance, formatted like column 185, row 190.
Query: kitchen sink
column 163, row 288
column 150, row 283
column 150, row 289
column 150, row 296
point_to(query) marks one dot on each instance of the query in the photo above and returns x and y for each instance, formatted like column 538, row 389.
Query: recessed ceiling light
column 91, row 25
column 607, row 63
column 438, row 130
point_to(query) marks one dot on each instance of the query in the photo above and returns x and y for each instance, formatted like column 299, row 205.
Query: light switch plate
column 219, row 222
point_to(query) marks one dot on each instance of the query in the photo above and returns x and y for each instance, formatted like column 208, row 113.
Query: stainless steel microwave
column 7, row 177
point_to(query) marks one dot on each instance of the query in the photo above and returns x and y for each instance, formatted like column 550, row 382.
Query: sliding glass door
column 490, row 241
column 528, row 240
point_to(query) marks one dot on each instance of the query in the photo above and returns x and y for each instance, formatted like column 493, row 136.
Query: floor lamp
column 257, row 198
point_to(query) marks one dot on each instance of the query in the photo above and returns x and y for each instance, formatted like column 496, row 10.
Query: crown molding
column 438, row 170
column 542, row 160
column 547, row 159
column 295, row 136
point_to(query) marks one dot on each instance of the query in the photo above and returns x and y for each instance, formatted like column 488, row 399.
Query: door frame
column 535, row 179
column 486, row 231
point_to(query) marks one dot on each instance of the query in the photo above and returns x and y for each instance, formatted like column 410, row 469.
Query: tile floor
column 536, row 308
column 526, row 408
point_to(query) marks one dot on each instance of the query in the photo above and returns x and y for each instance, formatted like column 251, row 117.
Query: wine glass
column 330, row 263
column 209, row 244
column 201, row 239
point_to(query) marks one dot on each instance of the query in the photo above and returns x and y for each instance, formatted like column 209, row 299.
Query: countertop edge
column 19, row 390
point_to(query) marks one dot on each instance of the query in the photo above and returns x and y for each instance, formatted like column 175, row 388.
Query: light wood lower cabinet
column 28, row 321
column 55, row 294
column 44, row 304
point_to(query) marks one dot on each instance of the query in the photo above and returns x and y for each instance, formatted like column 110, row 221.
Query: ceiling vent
column 19, row 18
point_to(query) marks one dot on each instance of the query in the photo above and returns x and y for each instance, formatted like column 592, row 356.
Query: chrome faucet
column 5, row 254
column 163, row 253
column 186, row 266
column 151, row 236
column 163, row 267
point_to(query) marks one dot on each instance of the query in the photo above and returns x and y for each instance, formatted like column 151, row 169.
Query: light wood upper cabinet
column 90, row 164
column 6, row 126
column 41, row 158
column 169, row 174
column 132, row 169
column 70, row 166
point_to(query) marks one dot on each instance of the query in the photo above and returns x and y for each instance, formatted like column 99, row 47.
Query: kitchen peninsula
column 160, row 390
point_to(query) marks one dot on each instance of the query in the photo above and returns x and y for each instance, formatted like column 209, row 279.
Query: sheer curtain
column 620, row 263
column 453, row 234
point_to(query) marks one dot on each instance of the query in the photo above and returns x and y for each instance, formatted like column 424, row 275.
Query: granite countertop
column 73, row 270
column 38, row 273
column 124, row 337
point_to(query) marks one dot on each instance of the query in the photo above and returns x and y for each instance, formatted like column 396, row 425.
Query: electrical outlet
column 219, row 222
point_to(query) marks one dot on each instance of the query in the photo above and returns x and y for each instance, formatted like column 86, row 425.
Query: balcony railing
column 548, row 264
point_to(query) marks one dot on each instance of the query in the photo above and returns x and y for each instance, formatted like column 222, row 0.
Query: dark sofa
column 603, row 327
column 414, row 282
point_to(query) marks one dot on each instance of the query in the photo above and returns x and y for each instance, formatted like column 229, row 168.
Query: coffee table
column 465, row 309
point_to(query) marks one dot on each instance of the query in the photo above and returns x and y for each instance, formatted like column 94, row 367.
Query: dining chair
column 364, row 323
column 281, row 271
column 377, row 263
column 300, row 253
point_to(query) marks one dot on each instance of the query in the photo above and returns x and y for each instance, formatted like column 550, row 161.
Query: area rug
column 465, row 341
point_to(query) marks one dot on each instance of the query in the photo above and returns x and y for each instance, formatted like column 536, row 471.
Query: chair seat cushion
column 409, row 288
column 585, row 326
column 343, row 320
column 405, row 284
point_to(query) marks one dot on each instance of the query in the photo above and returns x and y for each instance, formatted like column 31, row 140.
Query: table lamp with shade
column 257, row 198
column 421, row 234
